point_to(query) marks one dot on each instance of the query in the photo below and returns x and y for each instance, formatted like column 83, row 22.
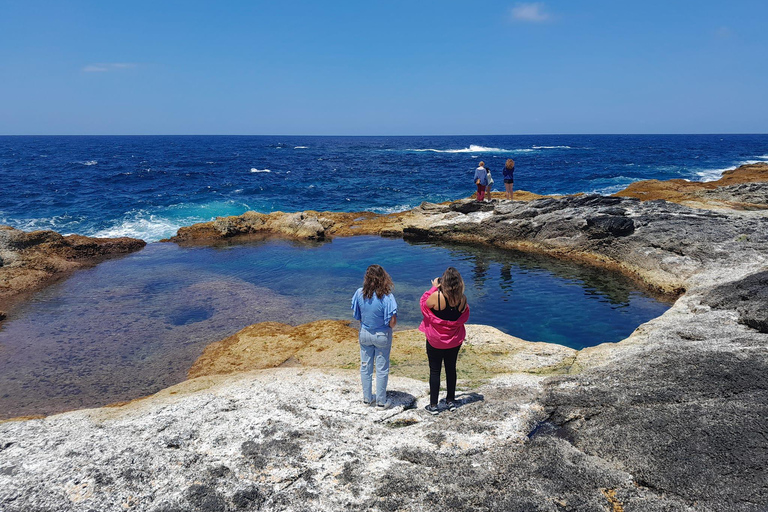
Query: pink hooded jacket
column 442, row 333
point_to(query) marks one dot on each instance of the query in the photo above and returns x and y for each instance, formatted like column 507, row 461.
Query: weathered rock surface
column 671, row 419
column 30, row 261
column 741, row 188
column 333, row 344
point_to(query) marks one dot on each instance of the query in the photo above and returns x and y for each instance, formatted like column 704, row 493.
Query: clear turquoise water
column 132, row 326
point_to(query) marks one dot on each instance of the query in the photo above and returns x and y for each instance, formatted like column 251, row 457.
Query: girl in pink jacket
column 445, row 311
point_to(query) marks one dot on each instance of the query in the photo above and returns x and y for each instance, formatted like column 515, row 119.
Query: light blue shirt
column 482, row 175
column 374, row 313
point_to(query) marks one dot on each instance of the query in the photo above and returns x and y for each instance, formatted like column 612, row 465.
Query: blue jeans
column 375, row 347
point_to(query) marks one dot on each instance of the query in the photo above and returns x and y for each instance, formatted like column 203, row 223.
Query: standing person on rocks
column 481, row 180
column 445, row 311
column 509, row 177
column 376, row 308
column 490, row 183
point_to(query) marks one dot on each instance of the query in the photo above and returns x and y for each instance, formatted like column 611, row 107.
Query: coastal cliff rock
column 30, row 261
column 734, row 190
column 670, row 419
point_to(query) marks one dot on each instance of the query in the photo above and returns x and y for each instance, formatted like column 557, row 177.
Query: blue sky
column 383, row 67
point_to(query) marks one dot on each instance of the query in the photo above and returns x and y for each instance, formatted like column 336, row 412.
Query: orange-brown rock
column 271, row 344
column 312, row 225
column 701, row 194
column 333, row 344
column 30, row 261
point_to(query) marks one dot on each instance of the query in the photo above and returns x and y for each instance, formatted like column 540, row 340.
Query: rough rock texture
column 30, row 261
column 671, row 419
column 749, row 297
column 734, row 190
column 333, row 344
column 661, row 244
column 308, row 225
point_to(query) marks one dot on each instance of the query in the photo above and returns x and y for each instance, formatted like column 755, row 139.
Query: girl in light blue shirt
column 376, row 308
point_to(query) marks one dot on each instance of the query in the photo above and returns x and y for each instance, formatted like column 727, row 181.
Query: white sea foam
column 88, row 162
column 300, row 147
column 716, row 174
column 253, row 169
column 391, row 209
column 711, row 174
column 150, row 229
column 608, row 186
column 62, row 223
column 471, row 149
column 154, row 225
column 763, row 158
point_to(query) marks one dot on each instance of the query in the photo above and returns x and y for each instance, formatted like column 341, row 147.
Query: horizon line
column 366, row 135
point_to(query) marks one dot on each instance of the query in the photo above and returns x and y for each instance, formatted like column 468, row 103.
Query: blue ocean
column 147, row 187
column 134, row 325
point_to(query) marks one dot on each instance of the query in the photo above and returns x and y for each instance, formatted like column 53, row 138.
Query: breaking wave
column 471, row 149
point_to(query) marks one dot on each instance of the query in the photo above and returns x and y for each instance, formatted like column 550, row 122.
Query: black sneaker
column 432, row 409
column 452, row 405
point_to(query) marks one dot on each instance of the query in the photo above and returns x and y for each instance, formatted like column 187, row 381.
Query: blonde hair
column 481, row 164
column 510, row 164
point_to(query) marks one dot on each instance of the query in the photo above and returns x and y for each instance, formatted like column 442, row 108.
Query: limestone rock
column 748, row 296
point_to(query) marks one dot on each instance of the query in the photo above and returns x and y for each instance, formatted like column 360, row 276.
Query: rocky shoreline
column 671, row 418
column 31, row 261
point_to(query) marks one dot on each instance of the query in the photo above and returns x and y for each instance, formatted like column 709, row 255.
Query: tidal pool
column 132, row 326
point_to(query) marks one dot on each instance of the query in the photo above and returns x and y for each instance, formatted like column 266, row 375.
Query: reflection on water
column 132, row 326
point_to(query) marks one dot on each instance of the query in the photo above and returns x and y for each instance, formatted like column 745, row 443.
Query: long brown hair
column 452, row 286
column 377, row 281
column 510, row 164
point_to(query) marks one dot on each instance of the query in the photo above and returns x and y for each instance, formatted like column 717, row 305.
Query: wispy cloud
column 530, row 12
column 723, row 33
column 104, row 67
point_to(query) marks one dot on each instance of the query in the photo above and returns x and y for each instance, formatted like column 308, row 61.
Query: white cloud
column 108, row 66
column 530, row 12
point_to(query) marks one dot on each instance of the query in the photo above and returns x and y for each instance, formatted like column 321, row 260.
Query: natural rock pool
column 132, row 326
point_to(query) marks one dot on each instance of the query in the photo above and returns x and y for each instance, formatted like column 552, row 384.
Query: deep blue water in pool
column 132, row 326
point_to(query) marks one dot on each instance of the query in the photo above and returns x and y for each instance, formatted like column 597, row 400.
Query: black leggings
column 436, row 357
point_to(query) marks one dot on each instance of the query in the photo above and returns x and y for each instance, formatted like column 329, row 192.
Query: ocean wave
column 253, row 169
column 88, row 163
column 300, row 147
column 64, row 224
column 762, row 158
column 471, row 149
column 705, row 175
column 384, row 210
column 150, row 229
column 608, row 186
column 154, row 225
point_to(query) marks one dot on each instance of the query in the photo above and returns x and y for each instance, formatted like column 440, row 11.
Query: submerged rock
column 30, row 261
